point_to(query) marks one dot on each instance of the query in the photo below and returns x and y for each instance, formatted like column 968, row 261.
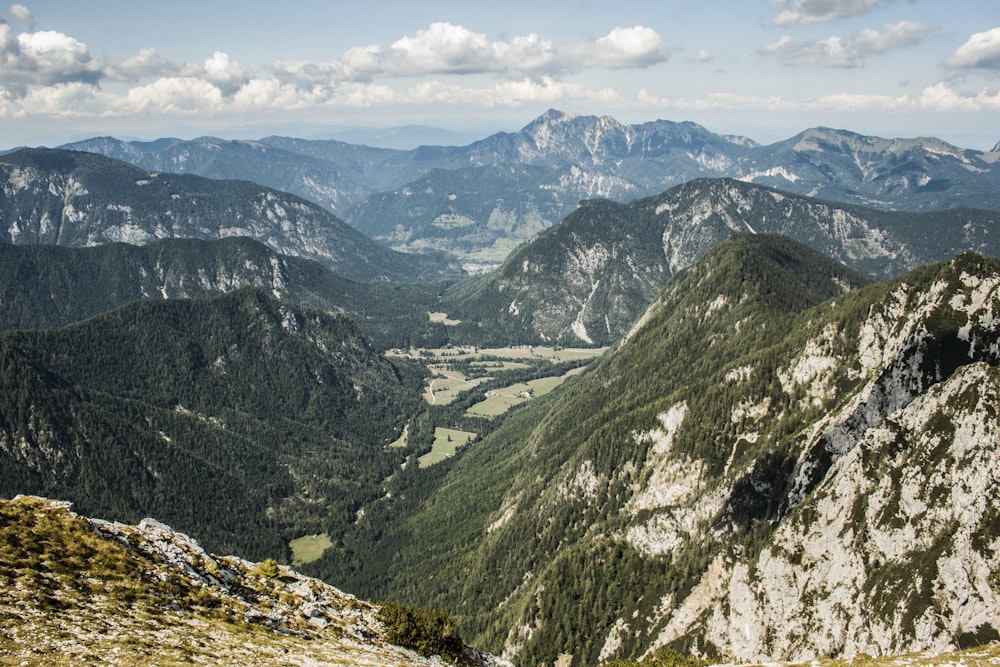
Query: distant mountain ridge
column 79, row 199
column 586, row 279
column 44, row 286
column 558, row 159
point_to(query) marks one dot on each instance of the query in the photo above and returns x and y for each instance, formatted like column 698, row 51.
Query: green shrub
column 268, row 568
column 663, row 658
column 428, row 632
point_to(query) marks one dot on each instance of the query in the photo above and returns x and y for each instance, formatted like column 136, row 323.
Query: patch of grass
column 446, row 443
column 443, row 319
column 309, row 548
column 447, row 385
column 500, row 401
column 402, row 440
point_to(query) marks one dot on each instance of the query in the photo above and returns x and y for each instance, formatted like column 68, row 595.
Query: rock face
column 886, row 537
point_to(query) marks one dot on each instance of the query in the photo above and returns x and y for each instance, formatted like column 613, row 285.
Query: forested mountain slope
column 45, row 286
column 245, row 420
column 589, row 277
column 757, row 472
column 79, row 199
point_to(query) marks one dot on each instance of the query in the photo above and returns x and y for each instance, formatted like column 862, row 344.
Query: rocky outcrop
column 118, row 592
column 887, row 541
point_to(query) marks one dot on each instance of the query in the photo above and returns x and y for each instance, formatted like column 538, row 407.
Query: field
column 499, row 401
column 447, row 385
column 455, row 370
column 309, row 548
column 446, row 442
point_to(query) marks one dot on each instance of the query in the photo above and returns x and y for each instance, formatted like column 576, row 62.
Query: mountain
column 243, row 419
column 588, row 278
column 44, row 286
column 478, row 213
column 922, row 174
column 405, row 137
column 87, row 591
column 769, row 467
column 466, row 206
column 314, row 179
column 79, row 199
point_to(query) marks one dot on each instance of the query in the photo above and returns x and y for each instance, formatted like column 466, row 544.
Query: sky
column 764, row 69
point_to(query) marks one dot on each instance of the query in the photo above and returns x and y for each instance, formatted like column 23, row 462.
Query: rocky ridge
column 81, row 199
column 86, row 590
column 588, row 278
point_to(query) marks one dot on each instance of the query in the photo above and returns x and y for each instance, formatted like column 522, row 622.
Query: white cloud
column 144, row 65
column 228, row 76
column 24, row 15
column 849, row 50
column 623, row 48
column 981, row 50
column 702, row 56
column 43, row 59
column 509, row 94
column 819, row 11
column 940, row 97
column 64, row 100
column 937, row 98
column 445, row 48
column 183, row 95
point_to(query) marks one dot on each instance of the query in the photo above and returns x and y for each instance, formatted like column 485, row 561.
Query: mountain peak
column 553, row 116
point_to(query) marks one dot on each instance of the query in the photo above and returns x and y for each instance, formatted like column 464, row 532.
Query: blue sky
column 766, row 69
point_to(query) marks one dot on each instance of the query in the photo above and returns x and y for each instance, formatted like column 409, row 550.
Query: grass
column 402, row 440
column 446, row 443
column 448, row 382
column 447, row 385
column 500, row 401
column 443, row 319
column 309, row 548
column 70, row 595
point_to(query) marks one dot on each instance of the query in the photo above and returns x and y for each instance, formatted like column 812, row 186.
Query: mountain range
column 582, row 281
column 480, row 200
column 770, row 466
column 789, row 451
column 69, row 198
column 586, row 279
